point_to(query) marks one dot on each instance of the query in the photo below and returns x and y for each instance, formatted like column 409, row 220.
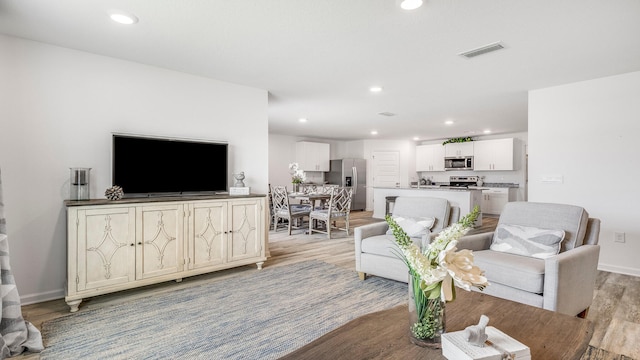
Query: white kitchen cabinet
column 113, row 246
column 493, row 155
column 458, row 149
column 494, row 199
column 312, row 156
column 430, row 157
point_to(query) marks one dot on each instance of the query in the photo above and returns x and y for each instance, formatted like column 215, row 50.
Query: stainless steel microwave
column 458, row 163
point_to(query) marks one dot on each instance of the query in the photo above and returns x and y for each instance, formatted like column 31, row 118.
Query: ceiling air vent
column 387, row 114
column 482, row 50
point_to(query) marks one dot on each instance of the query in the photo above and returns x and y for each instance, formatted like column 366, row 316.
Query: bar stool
column 389, row 200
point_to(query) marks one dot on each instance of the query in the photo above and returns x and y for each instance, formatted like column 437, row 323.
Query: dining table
column 317, row 200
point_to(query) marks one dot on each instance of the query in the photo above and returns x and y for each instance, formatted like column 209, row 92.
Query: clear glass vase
column 426, row 317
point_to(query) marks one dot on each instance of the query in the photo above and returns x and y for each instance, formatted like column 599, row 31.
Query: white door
column 386, row 169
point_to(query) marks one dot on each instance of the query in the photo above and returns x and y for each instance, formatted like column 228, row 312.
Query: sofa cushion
column 516, row 271
column 417, row 207
column 527, row 240
column 570, row 218
column 414, row 227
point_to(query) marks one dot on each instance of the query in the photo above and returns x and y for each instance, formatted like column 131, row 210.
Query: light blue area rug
column 262, row 314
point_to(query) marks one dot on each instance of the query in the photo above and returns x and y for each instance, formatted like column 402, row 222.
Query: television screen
column 145, row 165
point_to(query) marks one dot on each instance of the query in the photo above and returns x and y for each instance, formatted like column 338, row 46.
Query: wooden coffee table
column 385, row 334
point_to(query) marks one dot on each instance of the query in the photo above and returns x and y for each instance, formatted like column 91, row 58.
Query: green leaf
column 435, row 292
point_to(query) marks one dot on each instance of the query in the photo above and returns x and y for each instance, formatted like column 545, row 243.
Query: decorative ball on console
column 114, row 193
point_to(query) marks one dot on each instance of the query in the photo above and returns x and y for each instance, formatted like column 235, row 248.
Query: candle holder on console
column 79, row 182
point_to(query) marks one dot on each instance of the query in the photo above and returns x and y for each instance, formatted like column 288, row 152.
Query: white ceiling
column 317, row 58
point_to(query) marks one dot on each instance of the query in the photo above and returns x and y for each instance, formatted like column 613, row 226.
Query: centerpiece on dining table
column 297, row 176
column 434, row 270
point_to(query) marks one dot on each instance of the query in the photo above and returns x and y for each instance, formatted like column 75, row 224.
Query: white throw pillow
column 527, row 241
column 414, row 227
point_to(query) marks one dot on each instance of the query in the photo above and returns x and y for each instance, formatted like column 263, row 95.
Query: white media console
column 123, row 244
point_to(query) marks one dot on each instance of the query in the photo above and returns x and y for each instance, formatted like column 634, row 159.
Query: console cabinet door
column 159, row 240
column 101, row 248
column 206, row 236
column 245, row 229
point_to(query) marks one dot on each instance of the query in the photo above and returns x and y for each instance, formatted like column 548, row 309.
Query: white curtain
column 16, row 334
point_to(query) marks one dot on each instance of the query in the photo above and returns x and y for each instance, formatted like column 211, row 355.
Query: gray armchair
column 376, row 250
column 564, row 282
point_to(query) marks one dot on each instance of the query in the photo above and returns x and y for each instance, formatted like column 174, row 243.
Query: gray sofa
column 564, row 282
column 374, row 248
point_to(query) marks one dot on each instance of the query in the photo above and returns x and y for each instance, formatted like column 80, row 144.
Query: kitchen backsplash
column 490, row 177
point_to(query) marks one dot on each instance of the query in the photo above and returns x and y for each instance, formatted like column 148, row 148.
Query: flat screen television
column 152, row 166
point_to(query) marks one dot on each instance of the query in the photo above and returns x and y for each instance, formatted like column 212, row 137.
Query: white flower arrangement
column 439, row 266
column 297, row 176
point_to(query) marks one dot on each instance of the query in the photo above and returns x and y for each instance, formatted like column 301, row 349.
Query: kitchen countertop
column 464, row 199
column 483, row 187
column 501, row 185
column 430, row 187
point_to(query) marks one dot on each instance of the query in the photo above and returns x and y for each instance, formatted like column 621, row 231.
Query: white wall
column 587, row 133
column 58, row 108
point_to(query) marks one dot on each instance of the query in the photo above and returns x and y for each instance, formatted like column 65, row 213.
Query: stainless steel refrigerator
column 353, row 173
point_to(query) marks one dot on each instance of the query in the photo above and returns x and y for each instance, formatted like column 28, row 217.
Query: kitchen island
column 465, row 199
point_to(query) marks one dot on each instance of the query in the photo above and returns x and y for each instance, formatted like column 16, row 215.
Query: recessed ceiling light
column 374, row 132
column 410, row 4
column 302, row 120
column 375, row 89
column 448, row 122
column 487, row 131
column 123, row 18
column 415, row 138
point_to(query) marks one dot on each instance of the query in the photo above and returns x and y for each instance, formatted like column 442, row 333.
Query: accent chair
column 541, row 254
column 375, row 246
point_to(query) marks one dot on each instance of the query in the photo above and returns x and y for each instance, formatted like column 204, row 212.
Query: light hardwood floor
column 615, row 310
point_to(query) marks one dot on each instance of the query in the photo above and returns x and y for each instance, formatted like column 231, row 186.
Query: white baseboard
column 41, row 297
column 619, row 269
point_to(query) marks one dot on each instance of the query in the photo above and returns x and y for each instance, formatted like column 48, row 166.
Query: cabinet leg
column 179, row 280
column 74, row 305
column 259, row 265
